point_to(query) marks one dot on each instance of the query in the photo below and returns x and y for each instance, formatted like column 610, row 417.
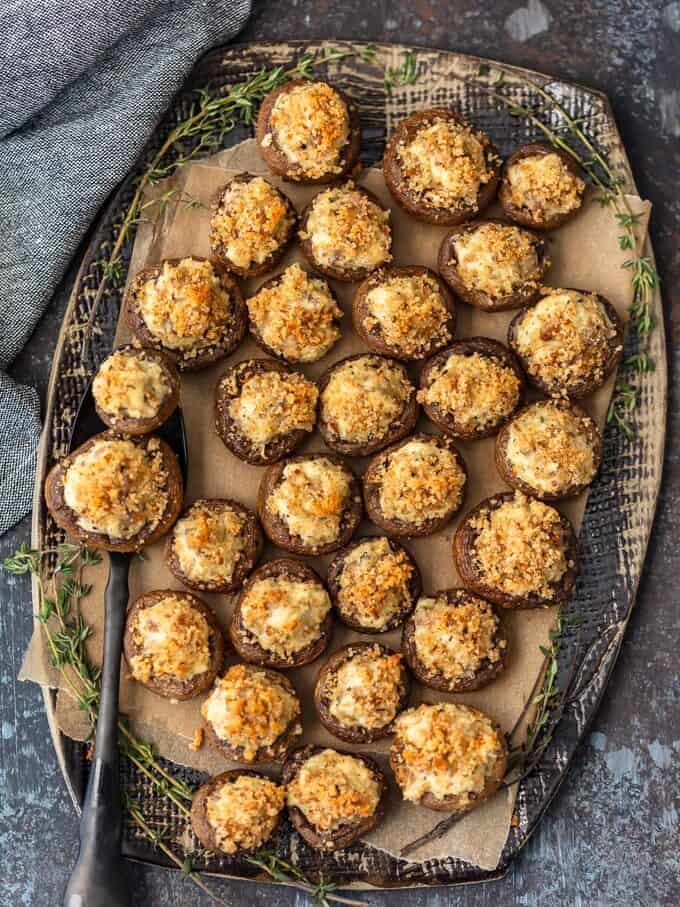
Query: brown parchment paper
column 585, row 254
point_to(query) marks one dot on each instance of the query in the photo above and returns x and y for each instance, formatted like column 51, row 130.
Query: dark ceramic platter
column 620, row 507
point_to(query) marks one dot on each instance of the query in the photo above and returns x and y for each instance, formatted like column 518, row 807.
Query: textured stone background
column 611, row 838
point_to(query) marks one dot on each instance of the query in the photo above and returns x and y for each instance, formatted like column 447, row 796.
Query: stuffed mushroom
column 541, row 187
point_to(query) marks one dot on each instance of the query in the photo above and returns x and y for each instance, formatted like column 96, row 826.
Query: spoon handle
column 98, row 878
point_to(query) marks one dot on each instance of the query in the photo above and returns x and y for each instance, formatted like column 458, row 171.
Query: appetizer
column 251, row 226
column 264, row 410
column 550, row 449
column 116, row 492
column 415, row 486
column 407, row 313
column 173, row 644
column 439, row 168
column 517, row 552
column 308, row 132
column 214, row 545
column 541, row 187
column 471, row 388
column 366, row 402
column 190, row 308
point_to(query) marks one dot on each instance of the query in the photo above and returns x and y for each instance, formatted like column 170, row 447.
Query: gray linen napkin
column 83, row 84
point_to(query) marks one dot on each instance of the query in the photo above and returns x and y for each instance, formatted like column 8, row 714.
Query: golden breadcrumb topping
column 208, row 541
column 458, row 638
column 520, row 547
column 374, row 583
column 444, row 164
column 477, row 390
column 117, row 488
column 409, row 313
column 297, row 317
column 186, row 307
column 333, row 789
column 272, row 404
column 421, row 480
column 544, row 185
column 497, row 259
column 130, row 386
column 446, row 750
column 311, row 127
column 366, row 690
column 249, row 709
column 243, row 812
column 550, row 448
column 250, row 222
column 172, row 639
column 311, row 499
column 348, row 230
column 363, row 397
column 565, row 338
column 284, row 615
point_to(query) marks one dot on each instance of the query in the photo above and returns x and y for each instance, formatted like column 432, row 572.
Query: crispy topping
column 550, row 448
column 364, row 397
column 348, row 230
column 477, row 390
column 446, row 750
column 565, row 338
column 172, row 639
column 311, row 127
column 421, row 480
column 198, row 739
column 409, row 313
column 497, row 259
column 444, row 164
column 117, row 488
column 311, row 499
column 250, row 222
column 297, row 317
column 272, row 404
column 284, row 615
column 243, row 812
column 456, row 639
column 520, row 547
column 374, row 583
column 334, row 789
column 129, row 386
column 544, row 185
column 248, row 708
column 208, row 541
column 365, row 691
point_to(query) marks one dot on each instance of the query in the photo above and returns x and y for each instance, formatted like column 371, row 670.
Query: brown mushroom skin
column 521, row 215
column 252, row 551
column 66, row 518
column 246, row 643
column 447, row 266
column 140, row 426
column 508, row 474
column 277, row 531
column 586, row 385
column 398, row 429
column 199, row 819
column 341, row 837
column 398, row 184
column 234, row 336
column 402, row 528
column 169, row 687
column 484, row 346
column 346, row 275
column 334, row 575
column 354, row 733
column 372, row 337
column 225, row 426
column 277, row 161
column 270, row 262
column 435, row 680
column 472, row 579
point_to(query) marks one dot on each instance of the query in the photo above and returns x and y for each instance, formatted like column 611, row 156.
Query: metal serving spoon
column 98, row 878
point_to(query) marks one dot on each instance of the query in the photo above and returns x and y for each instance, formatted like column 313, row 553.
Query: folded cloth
column 84, row 84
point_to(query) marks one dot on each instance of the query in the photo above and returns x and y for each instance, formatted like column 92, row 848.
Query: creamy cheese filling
column 374, row 583
column 366, row 690
column 544, row 185
column 129, row 386
column 409, row 313
column 311, row 499
column 172, row 639
column 497, row 259
column 208, row 541
column 244, row 812
column 271, row 405
column 284, row 615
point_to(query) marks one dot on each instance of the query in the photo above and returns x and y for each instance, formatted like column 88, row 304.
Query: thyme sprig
column 280, row 870
column 406, row 74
